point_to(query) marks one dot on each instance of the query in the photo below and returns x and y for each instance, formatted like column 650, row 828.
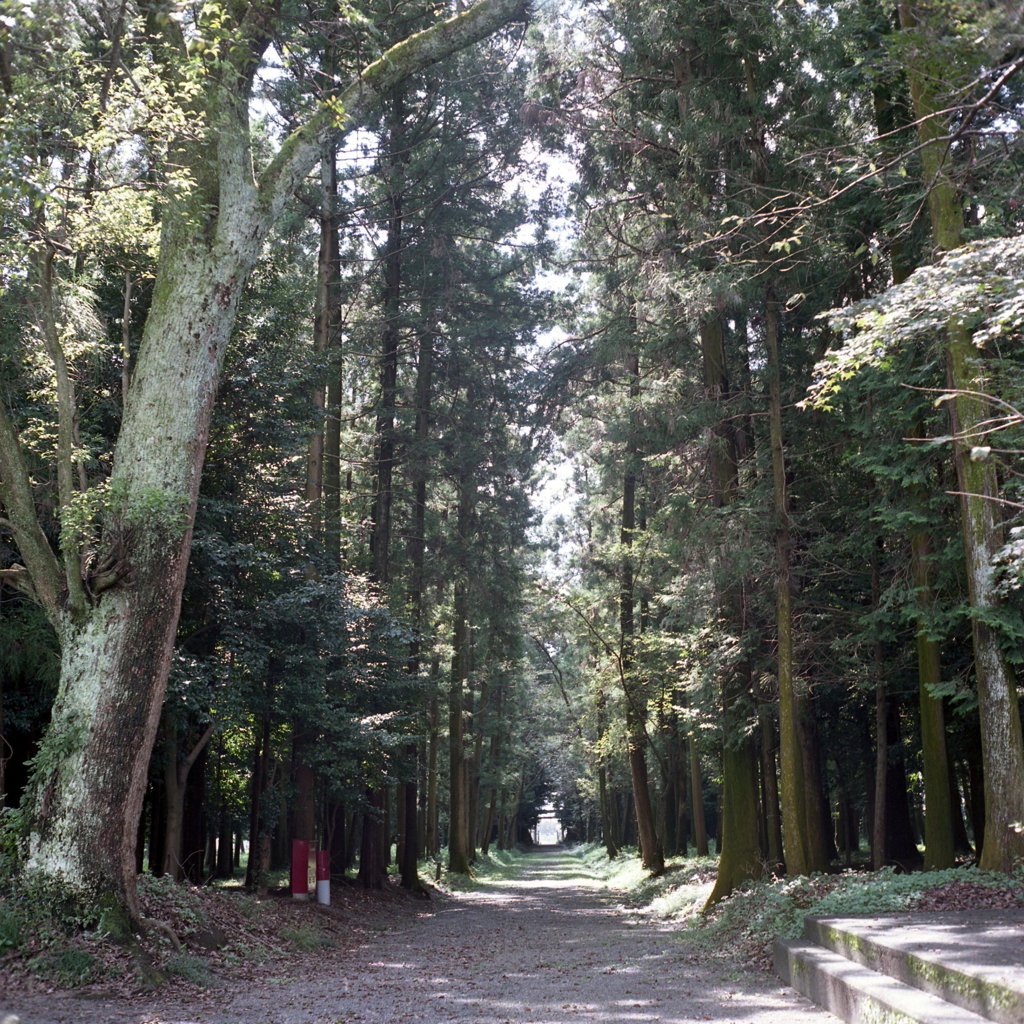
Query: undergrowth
column 747, row 922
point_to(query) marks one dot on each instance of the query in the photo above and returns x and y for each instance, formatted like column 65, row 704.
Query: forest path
column 547, row 946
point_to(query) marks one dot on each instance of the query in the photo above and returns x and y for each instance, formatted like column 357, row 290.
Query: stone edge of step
column 982, row 996
column 857, row 994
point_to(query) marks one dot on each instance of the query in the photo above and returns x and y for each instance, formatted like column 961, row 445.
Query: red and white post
column 323, row 877
column 300, row 869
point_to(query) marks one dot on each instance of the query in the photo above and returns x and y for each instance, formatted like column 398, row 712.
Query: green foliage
column 53, row 906
column 67, row 967
column 776, row 907
column 10, row 928
column 980, row 284
column 119, row 509
column 13, row 839
column 192, row 969
column 306, row 938
column 178, row 902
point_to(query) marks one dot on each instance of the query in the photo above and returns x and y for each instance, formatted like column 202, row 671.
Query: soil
column 544, row 947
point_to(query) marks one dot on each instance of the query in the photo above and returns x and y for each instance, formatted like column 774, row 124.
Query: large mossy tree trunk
column 922, row 24
column 117, row 632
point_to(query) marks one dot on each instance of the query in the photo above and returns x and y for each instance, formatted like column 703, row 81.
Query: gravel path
column 543, row 948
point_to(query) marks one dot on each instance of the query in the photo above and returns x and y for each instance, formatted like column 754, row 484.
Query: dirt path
column 544, row 948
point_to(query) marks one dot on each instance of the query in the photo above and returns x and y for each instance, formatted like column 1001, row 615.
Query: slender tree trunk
column 607, row 817
column 700, row 831
column 794, row 818
column 303, row 816
column 475, row 769
column 740, row 853
column 770, row 789
column 433, row 742
column 323, row 328
column 458, row 852
column 258, row 864
column 878, row 828
column 371, row 860
column 176, row 774
column 417, row 552
column 820, row 838
column 938, row 819
column 380, row 534
column 493, row 768
column 636, row 698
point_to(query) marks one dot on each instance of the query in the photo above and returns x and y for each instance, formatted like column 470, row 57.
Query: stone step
column 857, row 994
column 974, row 960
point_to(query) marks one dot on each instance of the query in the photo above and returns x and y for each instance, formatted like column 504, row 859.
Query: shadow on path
column 546, row 945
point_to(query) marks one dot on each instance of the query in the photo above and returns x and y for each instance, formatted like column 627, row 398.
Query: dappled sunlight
column 542, row 941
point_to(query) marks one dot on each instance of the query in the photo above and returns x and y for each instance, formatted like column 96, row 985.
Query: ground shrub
column 189, row 968
column 179, row 904
column 10, row 928
column 306, row 939
column 68, row 967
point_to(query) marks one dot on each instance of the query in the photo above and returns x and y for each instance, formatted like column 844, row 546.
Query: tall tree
column 116, row 645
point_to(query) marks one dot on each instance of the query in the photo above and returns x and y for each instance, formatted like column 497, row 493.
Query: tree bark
column 176, row 772
column 651, row 854
column 458, row 823
column 794, row 819
column 740, row 853
column 938, row 814
column 607, row 817
column 380, row 532
column 1002, row 744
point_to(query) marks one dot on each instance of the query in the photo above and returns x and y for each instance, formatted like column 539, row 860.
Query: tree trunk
column 636, row 699
column 740, row 853
column 176, row 776
column 770, row 790
column 700, row 832
column 794, row 821
column 396, row 156
column 878, row 827
column 938, row 818
column 433, row 743
column 458, row 854
column 1002, row 745
column 371, row 864
column 607, row 816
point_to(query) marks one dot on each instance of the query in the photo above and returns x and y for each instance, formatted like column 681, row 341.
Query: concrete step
column 972, row 959
column 857, row 994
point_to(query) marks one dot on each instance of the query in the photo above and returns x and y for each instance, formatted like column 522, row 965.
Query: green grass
column 777, row 906
column 10, row 928
column 67, row 967
column 305, row 938
column 189, row 968
column 748, row 920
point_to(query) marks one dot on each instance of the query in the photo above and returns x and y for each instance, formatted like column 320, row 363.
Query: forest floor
column 553, row 937
column 544, row 942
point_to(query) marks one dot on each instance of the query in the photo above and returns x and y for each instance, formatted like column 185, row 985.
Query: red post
column 323, row 877
column 300, row 869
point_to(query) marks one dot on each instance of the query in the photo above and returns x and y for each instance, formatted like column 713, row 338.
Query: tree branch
column 200, row 743
column 348, row 109
column 16, row 493
column 66, row 416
